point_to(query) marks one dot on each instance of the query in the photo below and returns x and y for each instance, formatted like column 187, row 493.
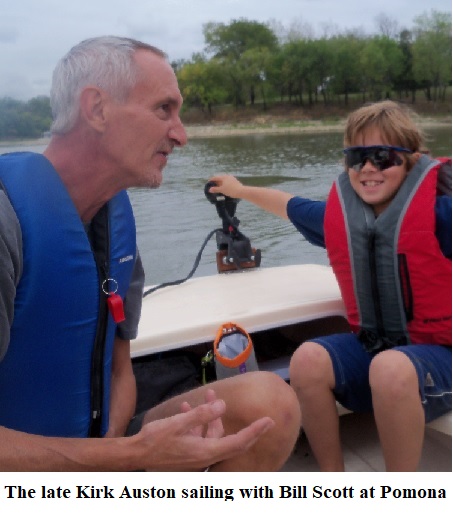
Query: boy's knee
column 392, row 373
column 309, row 364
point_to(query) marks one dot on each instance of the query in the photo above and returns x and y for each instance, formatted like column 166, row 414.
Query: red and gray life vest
column 394, row 279
column 55, row 376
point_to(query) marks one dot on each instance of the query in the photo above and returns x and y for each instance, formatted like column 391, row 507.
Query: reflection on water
column 173, row 221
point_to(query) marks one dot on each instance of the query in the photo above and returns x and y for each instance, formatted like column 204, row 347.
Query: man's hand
column 215, row 428
column 193, row 440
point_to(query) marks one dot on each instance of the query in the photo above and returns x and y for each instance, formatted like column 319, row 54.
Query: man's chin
column 153, row 181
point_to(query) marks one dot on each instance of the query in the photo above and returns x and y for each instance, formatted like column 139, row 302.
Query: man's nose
column 178, row 134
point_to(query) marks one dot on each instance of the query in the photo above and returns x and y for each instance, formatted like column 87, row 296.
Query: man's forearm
column 123, row 393
column 25, row 452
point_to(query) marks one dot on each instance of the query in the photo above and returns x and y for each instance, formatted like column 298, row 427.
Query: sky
column 35, row 34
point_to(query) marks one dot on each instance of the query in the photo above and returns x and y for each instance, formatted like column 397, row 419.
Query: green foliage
column 304, row 69
column 381, row 62
column 232, row 40
column 347, row 70
column 243, row 47
column 432, row 53
column 201, row 84
column 24, row 119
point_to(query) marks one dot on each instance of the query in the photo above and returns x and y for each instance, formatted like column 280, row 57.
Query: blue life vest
column 55, row 377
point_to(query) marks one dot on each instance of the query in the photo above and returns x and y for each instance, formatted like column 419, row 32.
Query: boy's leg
column 397, row 410
column 312, row 377
column 410, row 386
column 322, row 371
column 248, row 397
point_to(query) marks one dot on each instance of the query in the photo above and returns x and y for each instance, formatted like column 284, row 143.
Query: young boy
column 387, row 229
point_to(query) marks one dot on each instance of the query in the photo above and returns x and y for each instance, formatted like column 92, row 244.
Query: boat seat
column 441, row 424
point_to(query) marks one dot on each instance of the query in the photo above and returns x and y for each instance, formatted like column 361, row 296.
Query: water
column 173, row 221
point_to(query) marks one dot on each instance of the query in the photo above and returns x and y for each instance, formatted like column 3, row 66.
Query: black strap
column 100, row 243
column 373, row 343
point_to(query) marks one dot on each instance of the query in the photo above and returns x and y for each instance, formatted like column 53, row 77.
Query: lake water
column 174, row 220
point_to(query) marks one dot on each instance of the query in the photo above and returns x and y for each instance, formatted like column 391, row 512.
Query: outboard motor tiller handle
column 234, row 249
column 225, row 206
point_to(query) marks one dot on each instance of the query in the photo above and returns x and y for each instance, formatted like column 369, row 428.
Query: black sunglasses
column 382, row 157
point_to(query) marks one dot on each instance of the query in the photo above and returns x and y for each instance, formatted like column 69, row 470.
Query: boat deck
column 362, row 451
column 257, row 299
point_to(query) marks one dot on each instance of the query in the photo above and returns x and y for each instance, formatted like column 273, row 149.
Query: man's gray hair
column 106, row 62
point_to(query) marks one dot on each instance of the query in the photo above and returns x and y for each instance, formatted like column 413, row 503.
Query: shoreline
column 289, row 127
column 226, row 130
column 255, row 128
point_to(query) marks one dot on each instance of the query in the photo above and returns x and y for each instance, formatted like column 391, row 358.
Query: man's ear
column 92, row 107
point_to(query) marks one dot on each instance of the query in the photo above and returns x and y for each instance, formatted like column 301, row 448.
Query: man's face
column 142, row 132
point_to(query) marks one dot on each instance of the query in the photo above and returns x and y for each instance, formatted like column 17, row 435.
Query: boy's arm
column 305, row 214
column 443, row 224
column 273, row 201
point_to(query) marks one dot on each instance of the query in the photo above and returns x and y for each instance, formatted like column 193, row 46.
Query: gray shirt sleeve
column 128, row 329
column 11, row 265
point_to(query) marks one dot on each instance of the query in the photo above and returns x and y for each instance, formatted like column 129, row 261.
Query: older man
column 68, row 264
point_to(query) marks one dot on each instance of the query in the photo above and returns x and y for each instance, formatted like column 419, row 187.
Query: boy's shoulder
column 444, row 176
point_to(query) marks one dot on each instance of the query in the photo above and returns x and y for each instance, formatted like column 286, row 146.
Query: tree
column 256, row 64
column 232, row 40
column 19, row 119
column 381, row 61
column 388, row 27
column 405, row 81
column 432, row 53
column 347, row 69
column 202, row 83
column 297, row 69
column 229, row 43
column 322, row 67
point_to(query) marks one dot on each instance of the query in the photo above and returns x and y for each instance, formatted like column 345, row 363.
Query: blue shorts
column 351, row 365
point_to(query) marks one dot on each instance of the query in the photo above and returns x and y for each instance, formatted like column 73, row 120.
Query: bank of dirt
column 268, row 126
column 289, row 119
